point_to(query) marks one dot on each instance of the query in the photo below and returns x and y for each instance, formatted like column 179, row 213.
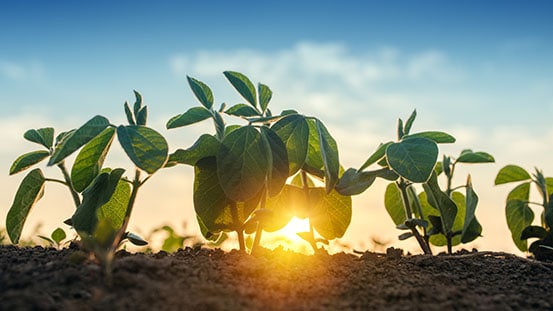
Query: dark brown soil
column 204, row 279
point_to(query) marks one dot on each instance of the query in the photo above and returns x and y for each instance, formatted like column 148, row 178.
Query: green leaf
column 27, row 160
column 58, row 235
column 219, row 125
column 265, row 95
column 400, row 132
column 520, row 192
column 136, row 240
column 329, row 154
column 142, row 116
column 206, row 146
column 409, row 123
column 331, row 213
column 376, row 156
column 471, row 227
column 99, row 193
column 442, row 202
column 519, row 216
column 294, row 132
column 29, row 192
column 436, row 227
column 468, row 156
column 116, row 208
column 242, row 110
column 394, row 204
column 145, row 147
column 79, row 138
column 201, row 91
column 213, row 208
column 353, row 182
column 278, row 172
column 284, row 206
column 128, row 113
column 191, row 116
column 137, row 103
column 413, row 158
column 437, row 137
column 42, row 136
column 511, row 173
column 533, row 232
column 242, row 164
column 90, row 159
column 243, row 85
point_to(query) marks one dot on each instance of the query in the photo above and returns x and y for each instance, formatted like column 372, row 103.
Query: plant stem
column 236, row 221
column 259, row 230
column 305, row 184
column 403, row 189
column 69, row 184
column 449, row 244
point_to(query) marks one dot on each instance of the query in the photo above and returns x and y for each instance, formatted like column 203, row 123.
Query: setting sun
column 287, row 237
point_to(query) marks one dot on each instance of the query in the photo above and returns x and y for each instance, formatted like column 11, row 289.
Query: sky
column 480, row 70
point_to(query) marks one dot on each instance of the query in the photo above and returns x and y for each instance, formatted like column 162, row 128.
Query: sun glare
column 288, row 239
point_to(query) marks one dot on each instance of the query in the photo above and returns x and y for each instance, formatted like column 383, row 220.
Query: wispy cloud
column 17, row 71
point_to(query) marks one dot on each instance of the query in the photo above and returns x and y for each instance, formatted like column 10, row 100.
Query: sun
column 287, row 237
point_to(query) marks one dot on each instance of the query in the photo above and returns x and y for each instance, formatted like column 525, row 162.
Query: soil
column 210, row 279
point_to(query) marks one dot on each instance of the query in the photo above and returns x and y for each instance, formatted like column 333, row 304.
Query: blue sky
column 481, row 70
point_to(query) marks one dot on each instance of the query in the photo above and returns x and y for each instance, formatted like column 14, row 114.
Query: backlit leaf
column 145, row 147
column 519, row 216
column 278, row 168
column 376, row 156
column 205, row 146
column 42, row 136
column 329, row 154
column 29, row 192
column 409, row 123
column 331, row 213
column 442, row 202
column 294, row 132
column 265, row 95
column 393, row 203
column 242, row 164
column 79, row 138
column 284, row 206
column 413, row 158
column 243, row 85
column 242, row 110
column 471, row 227
column 468, row 156
column 90, row 159
column 58, row 235
column 437, row 137
column 191, row 116
column 27, row 160
column 201, row 91
column 353, row 182
column 116, row 207
column 511, row 173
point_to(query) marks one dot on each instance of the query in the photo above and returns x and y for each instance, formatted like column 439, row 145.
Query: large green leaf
column 78, row 138
column 242, row 110
column 95, row 196
column 354, row 182
column 437, row 137
column 442, row 202
column 202, row 91
column 278, row 172
column 284, row 206
column 330, row 214
column 243, row 164
column 329, row 155
column 243, row 85
column 27, row 160
column 42, row 136
column 191, row 116
column 511, row 173
column 116, row 208
column 265, row 95
column 413, row 158
column 376, row 156
column 90, row 159
column 294, row 132
column 206, row 146
column 471, row 227
column 145, row 147
column 469, row 156
column 212, row 206
column 519, row 215
column 393, row 203
column 29, row 192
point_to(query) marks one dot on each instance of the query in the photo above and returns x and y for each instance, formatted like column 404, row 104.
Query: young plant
column 242, row 169
column 411, row 160
column 56, row 238
column 520, row 216
column 104, row 199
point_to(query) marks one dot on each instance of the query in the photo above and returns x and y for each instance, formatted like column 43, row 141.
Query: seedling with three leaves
column 241, row 171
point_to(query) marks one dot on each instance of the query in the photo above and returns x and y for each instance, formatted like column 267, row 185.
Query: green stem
column 236, row 221
column 403, row 189
column 449, row 244
column 69, row 184
column 259, row 230
column 305, row 185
